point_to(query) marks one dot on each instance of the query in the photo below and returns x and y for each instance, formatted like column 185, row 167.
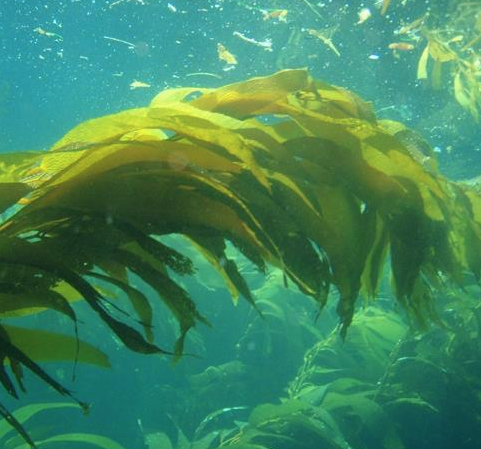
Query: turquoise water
column 48, row 84
column 63, row 62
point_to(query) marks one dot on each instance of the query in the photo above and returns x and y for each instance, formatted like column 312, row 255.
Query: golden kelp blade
column 422, row 73
column 251, row 97
column 12, row 192
column 13, row 170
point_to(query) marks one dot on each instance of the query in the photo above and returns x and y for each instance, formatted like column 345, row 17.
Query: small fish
column 225, row 55
column 171, row 7
column 401, row 46
column 138, row 84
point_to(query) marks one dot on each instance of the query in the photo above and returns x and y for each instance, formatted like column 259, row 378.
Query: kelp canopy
column 291, row 171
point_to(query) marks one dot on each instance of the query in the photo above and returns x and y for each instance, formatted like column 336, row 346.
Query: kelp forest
column 282, row 177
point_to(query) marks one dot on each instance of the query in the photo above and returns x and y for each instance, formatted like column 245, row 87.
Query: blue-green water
column 48, row 85
column 63, row 62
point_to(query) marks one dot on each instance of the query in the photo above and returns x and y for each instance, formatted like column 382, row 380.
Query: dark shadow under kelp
column 291, row 171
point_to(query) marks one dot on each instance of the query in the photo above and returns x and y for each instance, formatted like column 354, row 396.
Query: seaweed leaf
column 85, row 438
column 37, row 345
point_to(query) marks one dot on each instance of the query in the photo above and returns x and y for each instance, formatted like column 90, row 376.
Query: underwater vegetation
column 291, row 171
column 29, row 412
column 452, row 41
column 386, row 387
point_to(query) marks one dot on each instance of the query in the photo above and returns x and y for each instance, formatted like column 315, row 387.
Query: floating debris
column 325, row 36
column 138, row 84
column 119, row 2
column 401, row 46
column 279, row 14
column 213, row 75
column 121, row 41
column 363, row 14
column 384, row 7
column 314, row 10
column 45, row 33
column 226, row 56
column 413, row 27
column 266, row 44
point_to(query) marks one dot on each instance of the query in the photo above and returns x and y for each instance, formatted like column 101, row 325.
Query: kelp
column 372, row 336
column 26, row 413
column 454, row 44
column 291, row 171
column 418, row 383
column 386, row 387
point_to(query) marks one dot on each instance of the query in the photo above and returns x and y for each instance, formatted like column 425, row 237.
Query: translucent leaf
column 83, row 438
column 41, row 345
column 23, row 414
column 423, row 64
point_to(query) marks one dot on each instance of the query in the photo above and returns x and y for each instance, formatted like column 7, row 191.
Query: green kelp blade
column 23, row 414
column 271, row 412
column 18, row 252
column 139, row 302
column 173, row 295
column 17, row 358
column 11, row 421
column 42, row 345
column 155, row 440
column 243, row 445
column 213, row 416
column 29, row 303
column 83, row 438
column 213, row 250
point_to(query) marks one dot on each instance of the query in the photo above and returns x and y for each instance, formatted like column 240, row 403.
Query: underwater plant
column 389, row 387
column 385, row 387
column 30, row 411
column 451, row 56
column 291, row 171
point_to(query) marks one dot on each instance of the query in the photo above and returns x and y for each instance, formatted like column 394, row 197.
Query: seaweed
column 454, row 42
column 29, row 412
column 293, row 172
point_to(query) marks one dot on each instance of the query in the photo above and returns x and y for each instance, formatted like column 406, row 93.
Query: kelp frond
column 20, row 417
column 293, row 172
